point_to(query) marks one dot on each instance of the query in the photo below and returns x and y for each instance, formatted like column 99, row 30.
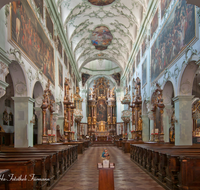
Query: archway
column 37, row 126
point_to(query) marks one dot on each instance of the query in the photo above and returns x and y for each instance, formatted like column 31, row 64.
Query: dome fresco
column 101, row 37
column 101, row 2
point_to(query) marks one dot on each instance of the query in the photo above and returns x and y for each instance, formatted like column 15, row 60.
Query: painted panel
column 101, row 111
column 154, row 23
column 144, row 46
column 116, row 76
column 28, row 34
column 164, row 6
column 101, row 37
column 175, row 35
column 85, row 77
column 49, row 23
column 138, row 59
column 144, row 72
column 60, row 74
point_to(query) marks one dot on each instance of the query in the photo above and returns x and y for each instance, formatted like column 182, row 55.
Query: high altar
column 101, row 114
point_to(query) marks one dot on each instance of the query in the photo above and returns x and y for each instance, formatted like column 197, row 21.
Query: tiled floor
column 83, row 175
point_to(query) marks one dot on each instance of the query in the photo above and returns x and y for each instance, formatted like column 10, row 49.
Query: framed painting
column 144, row 72
column 176, row 34
column 39, row 5
column 154, row 23
column 49, row 23
column 60, row 74
column 116, row 76
column 85, row 77
column 65, row 60
column 29, row 36
column 138, row 59
column 164, row 6
column 144, row 46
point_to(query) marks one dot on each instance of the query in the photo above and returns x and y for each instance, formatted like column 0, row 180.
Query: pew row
column 40, row 167
column 175, row 167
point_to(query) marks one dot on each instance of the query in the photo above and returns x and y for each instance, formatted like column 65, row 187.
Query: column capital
column 183, row 97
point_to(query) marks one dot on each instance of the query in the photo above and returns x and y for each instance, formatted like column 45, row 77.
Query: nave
column 84, row 175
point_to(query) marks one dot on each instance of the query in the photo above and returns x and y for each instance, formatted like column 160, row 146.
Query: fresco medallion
column 101, row 2
column 101, row 37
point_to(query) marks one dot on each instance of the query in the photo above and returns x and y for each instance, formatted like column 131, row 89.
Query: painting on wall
column 101, row 37
column 144, row 72
column 138, row 59
column 116, row 76
column 65, row 59
column 29, row 36
column 176, row 34
column 164, row 5
column 59, row 47
column 85, row 77
column 49, row 23
column 154, row 23
column 144, row 46
column 60, row 74
column 101, row 111
column 39, row 4
column 101, row 2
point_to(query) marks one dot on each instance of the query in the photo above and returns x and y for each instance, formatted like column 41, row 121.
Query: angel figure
column 112, row 92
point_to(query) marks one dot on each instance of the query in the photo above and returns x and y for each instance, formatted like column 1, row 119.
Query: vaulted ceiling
column 102, row 29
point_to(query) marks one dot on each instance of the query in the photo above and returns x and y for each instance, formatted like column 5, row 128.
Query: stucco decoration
column 3, row 71
column 101, row 2
column 20, row 88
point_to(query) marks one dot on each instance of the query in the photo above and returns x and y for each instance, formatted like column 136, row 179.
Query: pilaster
column 145, row 128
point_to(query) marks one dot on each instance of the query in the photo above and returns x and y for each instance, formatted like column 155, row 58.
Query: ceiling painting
column 101, row 2
column 101, row 37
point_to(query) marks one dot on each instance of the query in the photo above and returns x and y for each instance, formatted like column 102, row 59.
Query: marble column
column 168, row 110
column 183, row 114
column 38, row 113
column 145, row 128
column 23, row 109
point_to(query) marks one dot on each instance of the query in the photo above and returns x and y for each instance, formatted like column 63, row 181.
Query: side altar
column 102, row 109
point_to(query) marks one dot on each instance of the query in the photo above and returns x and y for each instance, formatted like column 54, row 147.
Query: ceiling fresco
column 101, row 2
column 112, row 28
column 101, row 37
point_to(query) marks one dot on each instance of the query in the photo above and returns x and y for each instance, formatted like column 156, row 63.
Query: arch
column 186, row 79
column 92, row 59
column 19, row 79
column 168, row 92
column 37, row 93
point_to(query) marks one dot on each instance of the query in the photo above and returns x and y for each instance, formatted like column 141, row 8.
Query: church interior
column 82, row 77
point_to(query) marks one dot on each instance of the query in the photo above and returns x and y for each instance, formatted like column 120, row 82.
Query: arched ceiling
column 101, row 32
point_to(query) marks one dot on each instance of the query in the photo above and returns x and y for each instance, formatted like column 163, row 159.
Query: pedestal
column 106, row 179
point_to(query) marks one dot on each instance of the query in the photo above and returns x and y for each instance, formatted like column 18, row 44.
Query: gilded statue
column 140, row 124
column 112, row 92
column 109, row 119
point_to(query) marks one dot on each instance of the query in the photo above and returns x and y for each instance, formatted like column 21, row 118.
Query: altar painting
column 29, row 36
column 177, row 33
column 101, row 111
column 144, row 72
column 154, row 23
column 164, row 6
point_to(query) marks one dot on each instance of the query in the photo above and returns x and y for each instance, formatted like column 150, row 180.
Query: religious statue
column 114, row 120
column 89, row 120
column 126, row 91
column 91, row 93
column 102, row 126
column 140, row 124
column 109, row 119
column 112, row 92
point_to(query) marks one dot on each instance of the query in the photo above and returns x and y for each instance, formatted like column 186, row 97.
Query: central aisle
column 83, row 175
